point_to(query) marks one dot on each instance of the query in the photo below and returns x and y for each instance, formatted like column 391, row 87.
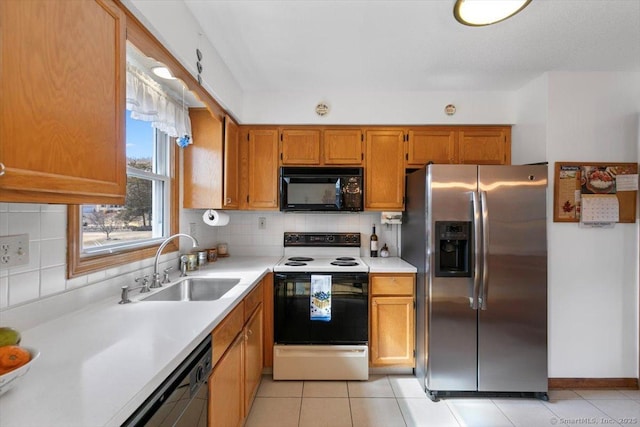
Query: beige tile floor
column 388, row 401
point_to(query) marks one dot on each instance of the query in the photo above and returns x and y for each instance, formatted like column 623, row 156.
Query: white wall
column 173, row 25
column 395, row 108
column 529, row 134
column 593, row 273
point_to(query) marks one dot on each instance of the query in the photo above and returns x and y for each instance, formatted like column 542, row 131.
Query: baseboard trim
column 593, row 383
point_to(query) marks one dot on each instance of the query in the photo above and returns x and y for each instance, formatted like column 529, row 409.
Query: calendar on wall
column 595, row 193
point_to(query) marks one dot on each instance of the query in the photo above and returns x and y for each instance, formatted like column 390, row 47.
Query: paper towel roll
column 215, row 218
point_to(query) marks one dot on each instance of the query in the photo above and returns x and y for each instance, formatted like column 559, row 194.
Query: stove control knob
column 330, row 238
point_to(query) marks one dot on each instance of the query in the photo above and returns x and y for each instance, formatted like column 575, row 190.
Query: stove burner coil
column 345, row 258
column 344, row 263
column 295, row 263
column 300, row 258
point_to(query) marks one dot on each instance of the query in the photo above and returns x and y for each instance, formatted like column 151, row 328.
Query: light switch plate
column 14, row 250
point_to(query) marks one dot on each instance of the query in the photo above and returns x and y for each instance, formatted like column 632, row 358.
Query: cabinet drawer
column 226, row 331
column 252, row 300
column 392, row 285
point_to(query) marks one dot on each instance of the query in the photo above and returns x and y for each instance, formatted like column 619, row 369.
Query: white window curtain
column 150, row 102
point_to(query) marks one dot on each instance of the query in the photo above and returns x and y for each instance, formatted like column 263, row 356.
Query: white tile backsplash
column 52, row 280
column 53, row 225
column 24, row 287
column 246, row 239
column 24, row 207
column 53, row 252
column 24, row 222
column 45, row 275
column 4, row 292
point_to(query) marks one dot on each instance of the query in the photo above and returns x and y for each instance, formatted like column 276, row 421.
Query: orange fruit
column 12, row 357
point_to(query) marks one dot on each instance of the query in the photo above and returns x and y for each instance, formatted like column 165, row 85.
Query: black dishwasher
column 182, row 399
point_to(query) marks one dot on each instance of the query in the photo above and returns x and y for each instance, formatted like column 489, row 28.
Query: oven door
column 295, row 309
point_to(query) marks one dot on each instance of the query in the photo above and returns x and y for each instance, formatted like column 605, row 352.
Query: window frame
column 78, row 265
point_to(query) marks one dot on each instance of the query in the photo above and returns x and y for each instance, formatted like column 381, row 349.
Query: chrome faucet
column 156, row 275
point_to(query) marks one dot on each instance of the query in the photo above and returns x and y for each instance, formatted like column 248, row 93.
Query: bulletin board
column 574, row 179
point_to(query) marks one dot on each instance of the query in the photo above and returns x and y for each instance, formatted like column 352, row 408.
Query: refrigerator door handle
column 485, row 250
column 477, row 249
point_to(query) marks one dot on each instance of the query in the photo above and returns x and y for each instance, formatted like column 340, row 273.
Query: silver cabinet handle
column 1, row 169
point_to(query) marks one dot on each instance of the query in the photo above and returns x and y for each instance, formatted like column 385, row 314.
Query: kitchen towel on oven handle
column 320, row 297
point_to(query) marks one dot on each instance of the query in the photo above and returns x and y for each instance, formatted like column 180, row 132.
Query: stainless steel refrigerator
column 477, row 235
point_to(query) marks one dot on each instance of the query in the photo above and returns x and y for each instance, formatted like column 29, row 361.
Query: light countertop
column 98, row 364
column 389, row 265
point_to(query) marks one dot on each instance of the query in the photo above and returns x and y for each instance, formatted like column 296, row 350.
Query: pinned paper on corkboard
column 575, row 179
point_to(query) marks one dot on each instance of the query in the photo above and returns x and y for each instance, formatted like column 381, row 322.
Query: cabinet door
column 485, row 146
column 253, row 356
column 392, row 331
column 430, row 145
column 231, row 196
column 342, row 147
column 263, row 169
column 203, row 162
column 225, row 388
column 300, row 147
column 384, row 170
column 63, row 100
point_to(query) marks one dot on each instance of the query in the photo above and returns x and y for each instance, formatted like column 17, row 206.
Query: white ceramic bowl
column 10, row 379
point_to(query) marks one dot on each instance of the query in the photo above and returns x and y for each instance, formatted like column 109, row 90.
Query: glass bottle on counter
column 373, row 243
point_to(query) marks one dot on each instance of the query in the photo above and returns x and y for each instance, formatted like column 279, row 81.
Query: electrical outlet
column 262, row 223
column 14, row 250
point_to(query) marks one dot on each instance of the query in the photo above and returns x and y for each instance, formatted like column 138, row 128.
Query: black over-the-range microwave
column 321, row 189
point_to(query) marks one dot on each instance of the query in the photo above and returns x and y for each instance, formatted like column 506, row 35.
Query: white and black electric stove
column 322, row 252
column 321, row 308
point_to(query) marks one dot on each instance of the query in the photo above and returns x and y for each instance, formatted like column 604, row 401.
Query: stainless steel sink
column 195, row 289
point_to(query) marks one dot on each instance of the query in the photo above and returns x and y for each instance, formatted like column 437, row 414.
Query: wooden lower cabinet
column 238, row 359
column 253, row 360
column 392, row 329
column 226, row 407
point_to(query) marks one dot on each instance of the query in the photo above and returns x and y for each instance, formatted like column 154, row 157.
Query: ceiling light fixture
column 477, row 13
column 163, row 72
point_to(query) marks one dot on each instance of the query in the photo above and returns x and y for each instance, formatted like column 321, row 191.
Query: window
column 101, row 236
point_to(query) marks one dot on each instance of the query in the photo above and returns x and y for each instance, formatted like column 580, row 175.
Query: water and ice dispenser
column 453, row 249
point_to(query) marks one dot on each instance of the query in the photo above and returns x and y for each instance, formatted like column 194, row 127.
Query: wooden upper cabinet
column 260, row 157
column 437, row 145
column 384, row 170
column 342, row 147
column 231, row 196
column 203, row 162
column 63, row 100
column 300, row 147
column 485, row 145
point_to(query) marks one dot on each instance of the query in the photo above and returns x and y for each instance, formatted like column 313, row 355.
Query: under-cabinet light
column 163, row 72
